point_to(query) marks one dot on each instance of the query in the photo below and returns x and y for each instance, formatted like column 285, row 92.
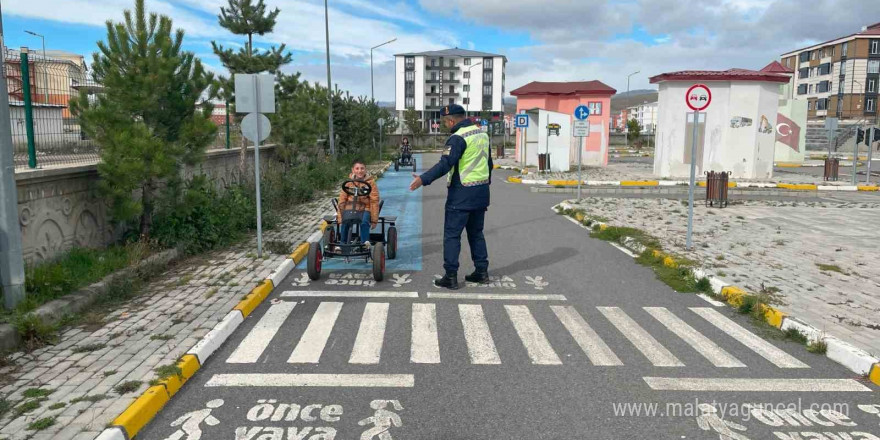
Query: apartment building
column 427, row 81
column 839, row 78
column 646, row 114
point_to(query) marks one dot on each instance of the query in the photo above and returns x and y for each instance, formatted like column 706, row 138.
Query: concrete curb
column 654, row 183
column 127, row 425
column 851, row 357
column 54, row 311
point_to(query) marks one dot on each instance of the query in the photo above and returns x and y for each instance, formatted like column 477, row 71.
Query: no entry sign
column 698, row 97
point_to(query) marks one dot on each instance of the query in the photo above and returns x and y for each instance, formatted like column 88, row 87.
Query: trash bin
column 499, row 152
column 544, row 162
column 716, row 188
column 832, row 168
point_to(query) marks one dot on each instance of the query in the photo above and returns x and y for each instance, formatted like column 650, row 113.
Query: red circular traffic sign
column 698, row 97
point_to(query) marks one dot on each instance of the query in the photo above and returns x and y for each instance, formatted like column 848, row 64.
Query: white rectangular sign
column 580, row 128
column 246, row 93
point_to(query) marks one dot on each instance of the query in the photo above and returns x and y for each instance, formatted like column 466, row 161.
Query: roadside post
column 871, row 136
column 855, row 159
column 698, row 98
column 522, row 123
column 580, row 129
column 255, row 95
column 381, row 122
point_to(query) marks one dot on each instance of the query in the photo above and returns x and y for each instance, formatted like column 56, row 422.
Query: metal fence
column 44, row 132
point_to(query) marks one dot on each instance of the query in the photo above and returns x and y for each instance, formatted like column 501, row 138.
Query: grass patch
column 166, row 371
column 109, row 373
column 36, row 392
column 88, row 348
column 161, row 337
column 58, row 405
column 127, row 387
column 617, row 233
column 5, row 406
column 93, row 398
column 26, row 407
column 704, row 285
column 41, row 424
column 830, row 268
column 211, row 292
column 818, row 346
column 794, row 334
column 33, row 331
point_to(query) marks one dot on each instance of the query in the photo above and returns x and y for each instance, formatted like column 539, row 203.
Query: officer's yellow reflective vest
column 473, row 167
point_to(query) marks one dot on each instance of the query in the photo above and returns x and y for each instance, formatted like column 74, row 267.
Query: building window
column 466, row 101
column 487, row 63
column 822, row 104
column 410, row 62
column 804, row 73
column 814, row 54
column 467, row 61
column 825, row 69
column 873, row 66
column 804, row 57
column 433, row 102
column 410, row 89
column 467, row 75
column 487, row 90
column 433, row 89
column 451, row 89
column 869, row 105
column 875, row 47
column 810, row 89
column 487, row 76
column 433, row 62
column 596, row 108
column 822, row 87
column 451, row 101
column 843, row 67
column 433, row 76
column 839, row 107
column 802, row 89
column 843, row 49
column 451, row 63
column 872, row 85
column 832, row 50
column 466, row 88
column 410, row 76
column 410, row 102
column 841, row 86
column 452, row 76
column 810, row 105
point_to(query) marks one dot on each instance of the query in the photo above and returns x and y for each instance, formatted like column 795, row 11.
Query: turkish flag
column 788, row 132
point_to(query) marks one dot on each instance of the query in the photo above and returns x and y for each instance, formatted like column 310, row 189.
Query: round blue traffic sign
column 581, row 112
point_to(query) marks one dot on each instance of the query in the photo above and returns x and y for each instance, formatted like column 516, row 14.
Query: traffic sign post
column 698, row 98
column 580, row 129
column 255, row 94
column 522, row 122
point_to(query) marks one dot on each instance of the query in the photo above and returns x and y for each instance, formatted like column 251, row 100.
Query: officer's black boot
column 477, row 277
column 449, row 281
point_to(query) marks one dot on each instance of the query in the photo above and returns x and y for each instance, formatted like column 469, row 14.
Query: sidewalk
column 93, row 373
column 813, row 258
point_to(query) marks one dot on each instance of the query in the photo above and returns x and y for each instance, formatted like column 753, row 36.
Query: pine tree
column 148, row 122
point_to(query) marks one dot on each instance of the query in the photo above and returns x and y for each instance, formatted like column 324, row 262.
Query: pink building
column 564, row 97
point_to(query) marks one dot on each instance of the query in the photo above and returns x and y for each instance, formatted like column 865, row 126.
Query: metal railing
column 44, row 132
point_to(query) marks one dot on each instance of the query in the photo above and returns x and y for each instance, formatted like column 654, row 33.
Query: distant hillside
column 631, row 98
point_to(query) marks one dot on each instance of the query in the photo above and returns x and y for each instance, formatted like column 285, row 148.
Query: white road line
column 590, row 342
column 710, row 300
column 425, row 347
column 479, row 341
column 767, row 350
column 497, row 296
column 641, row 339
column 346, row 294
column 252, row 346
column 314, row 339
column 368, row 343
column 312, row 380
column 532, row 337
column 758, row 385
column 711, row 351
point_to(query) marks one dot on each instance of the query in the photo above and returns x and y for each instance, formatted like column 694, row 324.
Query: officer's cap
column 452, row 109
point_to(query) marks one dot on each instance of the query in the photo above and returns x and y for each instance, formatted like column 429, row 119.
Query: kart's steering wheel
column 357, row 188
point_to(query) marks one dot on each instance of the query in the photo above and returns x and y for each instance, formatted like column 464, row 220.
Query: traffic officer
column 468, row 168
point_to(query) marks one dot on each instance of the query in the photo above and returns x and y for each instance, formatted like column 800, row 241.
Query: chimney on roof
column 864, row 28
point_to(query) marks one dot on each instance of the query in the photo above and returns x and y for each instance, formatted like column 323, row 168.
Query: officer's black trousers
column 455, row 222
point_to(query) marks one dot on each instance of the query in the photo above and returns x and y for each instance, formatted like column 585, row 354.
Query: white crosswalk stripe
column 711, row 351
column 641, row 339
column 425, row 347
column 315, row 337
column 532, row 337
column 595, row 348
column 481, row 347
column 368, row 343
column 480, row 335
column 767, row 350
column 253, row 345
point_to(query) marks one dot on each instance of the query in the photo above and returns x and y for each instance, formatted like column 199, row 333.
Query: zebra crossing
column 426, row 344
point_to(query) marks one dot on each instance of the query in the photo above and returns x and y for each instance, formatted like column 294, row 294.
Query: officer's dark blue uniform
column 465, row 205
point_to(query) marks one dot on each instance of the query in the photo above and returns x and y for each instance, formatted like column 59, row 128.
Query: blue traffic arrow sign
column 581, row 112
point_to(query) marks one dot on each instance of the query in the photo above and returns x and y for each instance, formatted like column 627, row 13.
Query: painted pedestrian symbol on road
column 537, row 281
column 190, row 423
column 871, row 409
column 400, row 280
column 708, row 420
column 302, row 281
column 382, row 421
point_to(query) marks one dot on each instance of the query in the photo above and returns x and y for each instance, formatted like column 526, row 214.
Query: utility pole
column 330, row 138
column 625, row 125
column 373, row 93
column 11, row 261
column 45, row 68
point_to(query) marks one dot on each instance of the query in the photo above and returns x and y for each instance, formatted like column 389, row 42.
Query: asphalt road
column 576, row 341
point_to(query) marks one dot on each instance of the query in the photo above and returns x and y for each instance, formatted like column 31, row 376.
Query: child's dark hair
column 357, row 161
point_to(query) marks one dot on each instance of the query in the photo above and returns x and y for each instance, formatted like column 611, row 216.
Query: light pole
column 626, row 123
column 45, row 69
column 373, row 94
column 329, row 83
column 468, row 105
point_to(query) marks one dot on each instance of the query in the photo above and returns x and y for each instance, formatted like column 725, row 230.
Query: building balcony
column 442, row 67
column 445, row 81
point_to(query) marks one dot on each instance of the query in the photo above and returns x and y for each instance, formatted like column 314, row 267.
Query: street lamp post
column 330, row 138
column 45, row 69
column 625, row 123
column 468, row 105
column 373, row 94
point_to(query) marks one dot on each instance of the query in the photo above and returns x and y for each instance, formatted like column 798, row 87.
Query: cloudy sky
column 549, row 40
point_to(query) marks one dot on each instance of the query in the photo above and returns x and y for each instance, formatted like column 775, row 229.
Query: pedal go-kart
column 334, row 245
column 405, row 159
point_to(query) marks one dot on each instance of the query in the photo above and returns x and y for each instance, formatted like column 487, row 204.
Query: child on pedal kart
column 369, row 204
column 405, row 148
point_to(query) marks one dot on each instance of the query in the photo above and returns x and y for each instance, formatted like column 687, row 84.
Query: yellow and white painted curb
column 851, row 357
column 127, row 425
column 653, row 183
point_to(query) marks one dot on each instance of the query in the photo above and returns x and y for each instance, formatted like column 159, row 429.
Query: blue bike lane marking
column 407, row 206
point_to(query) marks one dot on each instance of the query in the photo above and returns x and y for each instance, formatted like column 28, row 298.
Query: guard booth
column 538, row 142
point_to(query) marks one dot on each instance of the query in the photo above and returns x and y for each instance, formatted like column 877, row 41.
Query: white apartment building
column 646, row 115
column 427, row 81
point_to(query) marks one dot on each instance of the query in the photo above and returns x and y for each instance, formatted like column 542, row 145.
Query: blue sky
column 551, row 40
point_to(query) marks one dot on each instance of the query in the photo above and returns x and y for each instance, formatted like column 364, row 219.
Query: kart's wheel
column 315, row 258
column 391, row 243
column 396, row 166
column 378, row 262
column 414, row 165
